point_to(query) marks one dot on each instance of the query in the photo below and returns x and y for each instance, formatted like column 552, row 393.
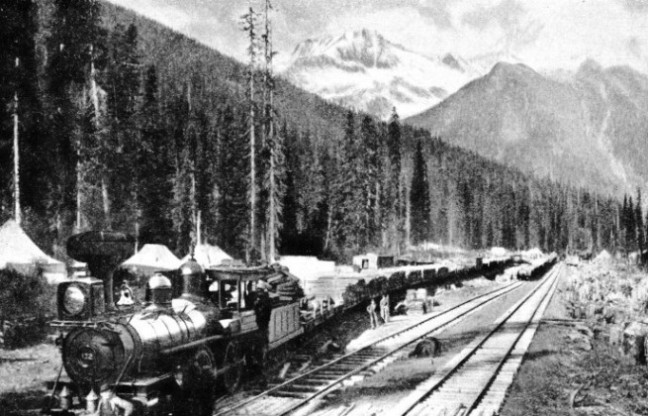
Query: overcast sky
column 542, row 33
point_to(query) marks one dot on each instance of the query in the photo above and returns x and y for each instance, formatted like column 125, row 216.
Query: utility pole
column 16, row 154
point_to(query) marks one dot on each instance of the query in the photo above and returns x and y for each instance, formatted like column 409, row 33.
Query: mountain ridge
column 585, row 130
column 363, row 70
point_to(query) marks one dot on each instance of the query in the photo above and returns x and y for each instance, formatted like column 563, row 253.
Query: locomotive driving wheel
column 233, row 360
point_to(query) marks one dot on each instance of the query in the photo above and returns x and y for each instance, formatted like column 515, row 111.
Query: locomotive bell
column 160, row 290
column 193, row 279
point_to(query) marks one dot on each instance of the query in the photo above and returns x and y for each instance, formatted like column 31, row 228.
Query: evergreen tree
column 624, row 224
column 231, row 179
column 393, row 184
column 291, row 202
column 155, row 169
column 419, row 198
column 370, row 181
column 249, row 21
column 349, row 195
column 76, row 41
column 274, row 166
column 123, row 148
column 631, row 231
column 639, row 223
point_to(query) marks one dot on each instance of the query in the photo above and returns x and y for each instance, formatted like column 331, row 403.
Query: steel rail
column 495, row 293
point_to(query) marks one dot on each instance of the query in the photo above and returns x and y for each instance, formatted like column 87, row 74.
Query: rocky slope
column 587, row 128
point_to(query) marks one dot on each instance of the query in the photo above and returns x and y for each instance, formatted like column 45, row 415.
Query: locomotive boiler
column 191, row 337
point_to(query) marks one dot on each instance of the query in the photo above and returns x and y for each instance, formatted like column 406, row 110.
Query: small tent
column 207, row 255
column 19, row 252
column 152, row 258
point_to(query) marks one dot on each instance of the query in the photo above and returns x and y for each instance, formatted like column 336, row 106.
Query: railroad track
column 476, row 381
column 347, row 369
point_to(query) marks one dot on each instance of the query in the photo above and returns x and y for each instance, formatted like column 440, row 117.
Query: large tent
column 152, row 258
column 19, row 252
column 207, row 255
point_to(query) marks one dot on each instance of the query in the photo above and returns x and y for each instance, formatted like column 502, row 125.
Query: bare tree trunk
column 199, row 227
column 253, row 191
column 377, row 213
column 408, row 227
column 105, row 196
column 16, row 155
column 329, row 228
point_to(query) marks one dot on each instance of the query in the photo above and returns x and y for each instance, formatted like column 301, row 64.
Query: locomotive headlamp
column 74, row 300
column 80, row 299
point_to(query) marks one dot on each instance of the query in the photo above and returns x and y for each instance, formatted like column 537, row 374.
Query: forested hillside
column 125, row 124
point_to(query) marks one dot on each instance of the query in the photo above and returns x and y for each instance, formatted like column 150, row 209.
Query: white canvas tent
column 207, row 255
column 19, row 252
column 152, row 258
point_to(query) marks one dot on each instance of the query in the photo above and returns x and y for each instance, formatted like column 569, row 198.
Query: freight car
column 537, row 268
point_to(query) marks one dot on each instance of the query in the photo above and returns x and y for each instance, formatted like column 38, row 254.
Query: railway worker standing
column 384, row 308
column 373, row 318
column 263, row 307
column 112, row 405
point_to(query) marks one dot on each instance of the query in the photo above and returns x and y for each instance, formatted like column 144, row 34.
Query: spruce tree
column 631, row 231
column 393, row 185
column 76, row 39
column 639, row 223
column 273, row 142
column 349, row 193
column 231, row 182
column 419, row 198
column 370, row 181
column 155, row 168
column 249, row 25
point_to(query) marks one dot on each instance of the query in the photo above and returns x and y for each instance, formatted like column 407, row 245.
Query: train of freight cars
column 198, row 331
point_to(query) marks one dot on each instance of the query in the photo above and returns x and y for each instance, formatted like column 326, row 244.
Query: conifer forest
column 126, row 125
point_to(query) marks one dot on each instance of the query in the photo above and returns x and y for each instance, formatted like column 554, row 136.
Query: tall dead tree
column 16, row 155
column 273, row 143
column 249, row 26
column 94, row 94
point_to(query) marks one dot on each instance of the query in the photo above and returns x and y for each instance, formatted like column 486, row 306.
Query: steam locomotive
column 195, row 334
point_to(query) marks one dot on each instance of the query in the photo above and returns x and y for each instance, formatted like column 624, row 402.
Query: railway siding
column 482, row 372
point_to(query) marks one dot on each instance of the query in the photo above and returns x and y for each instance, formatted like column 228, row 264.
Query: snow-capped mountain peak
column 358, row 48
column 363, row 70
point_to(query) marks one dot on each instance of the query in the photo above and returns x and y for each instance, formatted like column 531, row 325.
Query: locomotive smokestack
column 103, row 251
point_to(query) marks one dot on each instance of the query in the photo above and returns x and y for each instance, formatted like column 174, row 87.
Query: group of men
column 384, row 311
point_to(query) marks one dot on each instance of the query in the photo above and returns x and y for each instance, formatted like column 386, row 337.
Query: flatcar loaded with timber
column 195, row 334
